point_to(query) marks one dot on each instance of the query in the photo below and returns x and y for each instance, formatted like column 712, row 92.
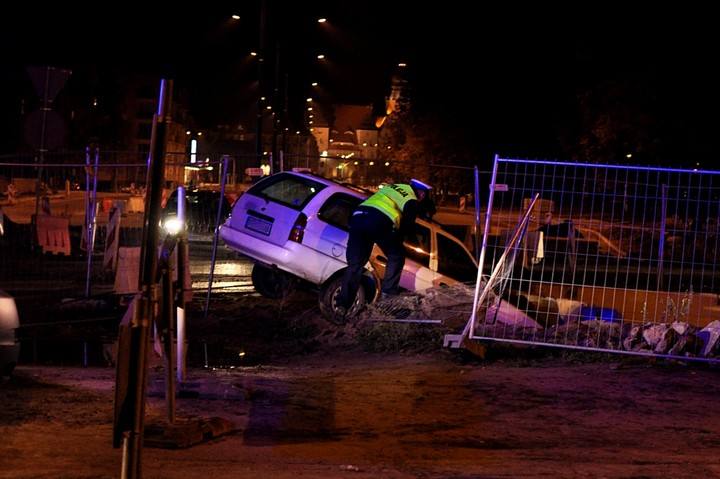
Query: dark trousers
column 367, row 228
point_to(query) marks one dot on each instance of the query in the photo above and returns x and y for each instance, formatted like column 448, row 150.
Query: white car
column 295, row 227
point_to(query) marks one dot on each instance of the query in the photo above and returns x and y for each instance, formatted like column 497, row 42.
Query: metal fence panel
column 608, row 258
column 95, row 199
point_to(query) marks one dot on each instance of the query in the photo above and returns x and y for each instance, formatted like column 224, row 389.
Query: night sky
column 507, row 76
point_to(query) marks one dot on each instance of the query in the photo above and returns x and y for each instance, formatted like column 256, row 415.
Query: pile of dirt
column 250, row 329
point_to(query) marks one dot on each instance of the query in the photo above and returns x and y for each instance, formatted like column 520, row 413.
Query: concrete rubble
column 547, row 320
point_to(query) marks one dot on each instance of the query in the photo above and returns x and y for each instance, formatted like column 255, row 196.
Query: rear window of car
column 289, row 190
column 338, row 208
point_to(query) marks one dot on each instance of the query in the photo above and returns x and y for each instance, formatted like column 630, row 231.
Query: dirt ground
column 313, row 400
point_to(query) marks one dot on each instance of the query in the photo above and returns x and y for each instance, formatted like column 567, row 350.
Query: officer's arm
column 409, row 215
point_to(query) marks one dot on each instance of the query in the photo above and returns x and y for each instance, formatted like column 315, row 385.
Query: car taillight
column 298, row 230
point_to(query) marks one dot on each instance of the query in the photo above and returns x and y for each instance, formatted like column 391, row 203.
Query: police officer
column 383, row 219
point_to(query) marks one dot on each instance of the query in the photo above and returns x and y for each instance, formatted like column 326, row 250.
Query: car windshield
column 455, row 261
column 289, row 190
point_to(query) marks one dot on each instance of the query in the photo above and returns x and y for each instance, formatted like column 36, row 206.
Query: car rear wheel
column 328, row 296
column 271, row 283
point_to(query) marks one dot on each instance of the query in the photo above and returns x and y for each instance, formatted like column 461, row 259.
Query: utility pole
column 135, row 327
column 261, row 85
column 276, row 117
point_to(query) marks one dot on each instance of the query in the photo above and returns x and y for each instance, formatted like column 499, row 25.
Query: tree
column 423, row 145
column 618, row 118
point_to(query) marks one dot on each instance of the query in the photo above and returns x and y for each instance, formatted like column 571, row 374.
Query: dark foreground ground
column 280, row 393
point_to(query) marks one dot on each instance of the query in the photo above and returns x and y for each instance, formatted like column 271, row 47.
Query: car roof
column 321, row 179
column 333, row 186
column 348, row 187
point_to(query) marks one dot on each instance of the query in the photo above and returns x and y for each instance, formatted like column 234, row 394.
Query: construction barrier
column 127, row 275
column 112, row 238
column 105, row 205
column 11, row 194
column 53, row 234
column 136, row 204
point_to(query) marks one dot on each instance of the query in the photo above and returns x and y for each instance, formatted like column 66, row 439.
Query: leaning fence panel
column 611, row 258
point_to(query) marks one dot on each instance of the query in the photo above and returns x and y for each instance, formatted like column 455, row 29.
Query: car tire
column 328, row 295
column 271, row 283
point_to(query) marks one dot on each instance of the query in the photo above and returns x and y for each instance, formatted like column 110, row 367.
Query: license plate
column 258, row 225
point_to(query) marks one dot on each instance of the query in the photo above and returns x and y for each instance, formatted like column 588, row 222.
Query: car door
column 417, row 273
column 327, row 231
column 455, row 262
column 326, row 234
column 434, row 258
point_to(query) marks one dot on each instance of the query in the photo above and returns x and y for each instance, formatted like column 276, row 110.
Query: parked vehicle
column 201, row 213
column 554, row 244
column 295, row 227
column 9, row 344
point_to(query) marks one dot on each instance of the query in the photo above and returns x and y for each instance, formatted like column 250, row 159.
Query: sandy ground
column 323, row 406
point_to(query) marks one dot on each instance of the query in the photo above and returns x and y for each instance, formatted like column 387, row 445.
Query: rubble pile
column 676, row 339
column 547, row 321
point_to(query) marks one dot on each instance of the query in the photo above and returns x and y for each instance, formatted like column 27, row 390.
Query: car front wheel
column 328, row 298
column 271, row 283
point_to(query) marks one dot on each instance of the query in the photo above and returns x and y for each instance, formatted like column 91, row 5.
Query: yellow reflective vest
column 391, row 200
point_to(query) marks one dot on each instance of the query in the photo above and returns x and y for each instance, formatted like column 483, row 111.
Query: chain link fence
column 596, row 257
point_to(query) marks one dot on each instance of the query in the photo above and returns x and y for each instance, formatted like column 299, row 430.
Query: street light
column 277, row 34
